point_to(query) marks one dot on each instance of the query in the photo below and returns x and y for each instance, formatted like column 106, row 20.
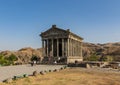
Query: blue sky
column 21, row 21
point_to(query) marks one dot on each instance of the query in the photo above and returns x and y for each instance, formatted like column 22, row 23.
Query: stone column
column 73, row 47
column 57, row 47
column 52, row 47
column 68, row 46
column 77, row 48
column 62, row 47
column 43, row 48
column 47, row 47
column 81, row 49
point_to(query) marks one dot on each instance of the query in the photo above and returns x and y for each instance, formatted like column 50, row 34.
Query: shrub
column 7, row 61
column 34, row 58
column 3, row 61
column 93, row 57
column 12, row 57
column 107, row 58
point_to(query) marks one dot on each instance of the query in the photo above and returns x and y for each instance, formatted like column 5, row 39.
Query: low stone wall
column 76, row 65
column 86, row 64
column 74, row 59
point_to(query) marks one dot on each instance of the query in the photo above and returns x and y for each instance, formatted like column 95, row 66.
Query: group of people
column 35, row 60
column 55, row 62
column 33, row 63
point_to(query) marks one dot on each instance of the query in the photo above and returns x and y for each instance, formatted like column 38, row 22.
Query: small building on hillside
column 61, row 46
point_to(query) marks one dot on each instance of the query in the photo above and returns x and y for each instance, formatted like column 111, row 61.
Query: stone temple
column 61, row 46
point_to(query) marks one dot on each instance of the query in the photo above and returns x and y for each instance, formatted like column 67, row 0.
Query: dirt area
column 11, row 71
column 73, row 76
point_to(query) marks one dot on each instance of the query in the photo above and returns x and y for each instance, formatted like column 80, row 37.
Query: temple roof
column 54, row 30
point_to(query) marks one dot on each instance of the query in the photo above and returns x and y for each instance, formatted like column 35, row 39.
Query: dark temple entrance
column 60, row 47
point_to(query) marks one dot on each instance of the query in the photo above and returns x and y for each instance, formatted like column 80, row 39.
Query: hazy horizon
column 21, row 21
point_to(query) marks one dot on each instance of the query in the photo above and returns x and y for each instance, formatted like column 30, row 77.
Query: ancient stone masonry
column 61, row 45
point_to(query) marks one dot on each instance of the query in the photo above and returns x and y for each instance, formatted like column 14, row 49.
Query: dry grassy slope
column 111, row 49
column 72, row 76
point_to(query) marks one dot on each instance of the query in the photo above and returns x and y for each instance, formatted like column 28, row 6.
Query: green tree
column 12, row 57
column 34, row 58
column 1, row 57
column 93, row 57
column 107, row 58
column 3, row 61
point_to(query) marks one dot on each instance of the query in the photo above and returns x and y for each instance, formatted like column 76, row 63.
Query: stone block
column 35, row 73
column 88, row 65
column 42, row 73
column 8, row 80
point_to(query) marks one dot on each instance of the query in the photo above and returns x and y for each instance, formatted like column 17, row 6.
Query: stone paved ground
column 11, row 71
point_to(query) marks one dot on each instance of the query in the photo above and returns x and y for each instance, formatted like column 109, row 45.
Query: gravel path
column 11, row 71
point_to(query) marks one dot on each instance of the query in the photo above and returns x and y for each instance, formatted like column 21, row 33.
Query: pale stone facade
column 61, row 45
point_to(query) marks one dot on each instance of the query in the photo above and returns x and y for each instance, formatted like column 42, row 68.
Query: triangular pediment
column 54, row 32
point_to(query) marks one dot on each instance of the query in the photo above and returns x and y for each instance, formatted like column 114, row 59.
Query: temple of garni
column 61, row 46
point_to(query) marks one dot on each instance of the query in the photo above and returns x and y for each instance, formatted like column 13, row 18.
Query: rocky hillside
column 109, row 49
column 24, row 55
